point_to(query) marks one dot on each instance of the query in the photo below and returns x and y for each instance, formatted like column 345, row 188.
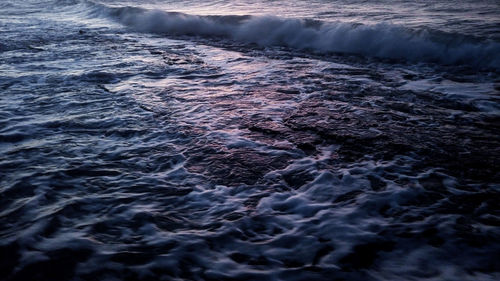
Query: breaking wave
column 382, row 40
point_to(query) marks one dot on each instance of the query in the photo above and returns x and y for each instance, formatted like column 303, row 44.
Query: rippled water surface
column 260, row 140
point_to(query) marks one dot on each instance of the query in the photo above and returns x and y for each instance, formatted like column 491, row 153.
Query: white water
column 221, row 142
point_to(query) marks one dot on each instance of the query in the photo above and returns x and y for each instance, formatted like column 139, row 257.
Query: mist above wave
column 382, row 40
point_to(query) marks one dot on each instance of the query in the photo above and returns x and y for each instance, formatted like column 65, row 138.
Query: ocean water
column 249, row 140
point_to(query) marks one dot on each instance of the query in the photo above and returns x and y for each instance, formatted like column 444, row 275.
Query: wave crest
column 382, row 40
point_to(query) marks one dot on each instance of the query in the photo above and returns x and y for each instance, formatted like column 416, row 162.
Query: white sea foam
column 140, row 156
column 382, row 40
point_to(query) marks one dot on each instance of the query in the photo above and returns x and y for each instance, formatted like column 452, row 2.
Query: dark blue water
column 261, row 140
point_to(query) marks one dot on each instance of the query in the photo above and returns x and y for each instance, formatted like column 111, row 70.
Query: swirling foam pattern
column 178, row 141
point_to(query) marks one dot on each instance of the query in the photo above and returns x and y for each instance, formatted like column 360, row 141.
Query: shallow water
column 324, row 140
